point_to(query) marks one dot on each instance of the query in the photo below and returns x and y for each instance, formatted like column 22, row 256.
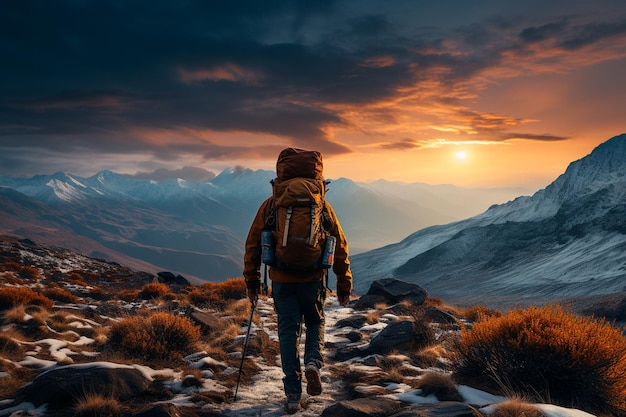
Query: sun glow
column 461, row 155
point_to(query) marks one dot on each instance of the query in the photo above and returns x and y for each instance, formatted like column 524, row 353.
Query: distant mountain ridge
column 567, row 239
column 198, row 229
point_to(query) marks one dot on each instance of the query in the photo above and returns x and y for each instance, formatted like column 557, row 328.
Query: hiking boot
column 293, row 403
column 313, row 381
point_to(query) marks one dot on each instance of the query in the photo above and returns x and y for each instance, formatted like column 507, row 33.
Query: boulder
column 439, row 316
column 355, row 321
column 363, row 407
column 395, row 291
column 64, row 385
column 167, row 277
column 392, row 336
column 369, row 301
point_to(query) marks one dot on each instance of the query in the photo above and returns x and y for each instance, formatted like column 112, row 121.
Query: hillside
column 568, row 239
column 88, row 324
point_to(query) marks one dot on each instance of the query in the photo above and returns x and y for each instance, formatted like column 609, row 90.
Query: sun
column 461, row 155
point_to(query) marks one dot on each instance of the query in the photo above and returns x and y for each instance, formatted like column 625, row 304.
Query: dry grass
column 157, row 337
column 441, row 385
column 18, row 376
column 548, row 353
column 155, row 290
column 516, row 408
column 60, row 294
column 75, row 278
column 218, row 295
column 10, row 348
column 97, row 405
column 14, row 296
column 129, row 295
column 15, row 315
column 477, row 313
column 23, row 271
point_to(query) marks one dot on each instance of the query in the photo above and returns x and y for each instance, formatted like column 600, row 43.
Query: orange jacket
column 252, row 257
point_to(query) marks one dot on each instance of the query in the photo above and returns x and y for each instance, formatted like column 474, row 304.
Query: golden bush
column 548, row 354
column 160, row 336
column 218, row 295
column 154, row 290
column 13, row 296
column 60, row 294
column 23, row 271
column 477, row 313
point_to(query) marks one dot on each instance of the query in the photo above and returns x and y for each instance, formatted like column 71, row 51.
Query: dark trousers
column 295, row 304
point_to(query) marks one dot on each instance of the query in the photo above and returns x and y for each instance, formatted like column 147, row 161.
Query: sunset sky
column 480, row 93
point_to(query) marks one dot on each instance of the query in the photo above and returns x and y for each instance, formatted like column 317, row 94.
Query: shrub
column 218, row 295
column 23, row 271
column 154, row 290
column 477, row 313
column 60, row 294
column 129, row 295
column 96, row 405
column 13, row 296
column 548, row 354
column 516, row 408
column 159, row 336
column 441, row 385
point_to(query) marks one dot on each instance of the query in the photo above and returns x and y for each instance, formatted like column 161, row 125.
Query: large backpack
column 298, row 218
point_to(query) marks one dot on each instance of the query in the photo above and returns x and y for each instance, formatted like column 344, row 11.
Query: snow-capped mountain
column 567, row 239
column 197, row 228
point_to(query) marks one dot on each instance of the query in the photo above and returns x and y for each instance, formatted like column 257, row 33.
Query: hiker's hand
column 343, row 299
column 253, row 295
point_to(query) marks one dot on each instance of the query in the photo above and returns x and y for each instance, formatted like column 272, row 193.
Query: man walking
column 304, row 230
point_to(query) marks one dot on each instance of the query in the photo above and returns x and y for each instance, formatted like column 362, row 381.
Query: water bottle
column 328, row 256
column 268, row 248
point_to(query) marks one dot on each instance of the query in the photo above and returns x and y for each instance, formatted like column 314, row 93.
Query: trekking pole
column 245, row 346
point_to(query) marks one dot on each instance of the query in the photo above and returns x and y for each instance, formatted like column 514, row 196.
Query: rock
column 355, row 321
column 354, row 336
column 61, row 386
column 167, row 277
column 369, row 301
column 363, row 407
column 395, row 334
column 160, row 410
column 395, row 291
column 439, row 316
column 442, row 409
column 400, row 309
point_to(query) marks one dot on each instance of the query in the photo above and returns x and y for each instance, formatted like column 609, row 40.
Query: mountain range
column 198, row 229
column 568, row 239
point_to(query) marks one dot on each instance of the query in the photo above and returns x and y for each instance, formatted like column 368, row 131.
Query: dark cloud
column 541, row 33
column 527, row 136
column 109, row 76
column 593, row 33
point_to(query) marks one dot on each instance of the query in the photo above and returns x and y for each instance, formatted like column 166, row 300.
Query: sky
column 481, row 93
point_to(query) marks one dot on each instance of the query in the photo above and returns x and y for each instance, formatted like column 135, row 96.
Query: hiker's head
column 294, row 162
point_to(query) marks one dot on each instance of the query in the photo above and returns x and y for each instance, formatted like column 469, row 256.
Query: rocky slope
column 57, row 359
column 568, row 239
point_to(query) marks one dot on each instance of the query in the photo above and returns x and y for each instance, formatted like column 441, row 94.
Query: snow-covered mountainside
column 567, row 239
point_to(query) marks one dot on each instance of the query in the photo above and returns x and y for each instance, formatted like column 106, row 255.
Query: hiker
column 301, row 223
